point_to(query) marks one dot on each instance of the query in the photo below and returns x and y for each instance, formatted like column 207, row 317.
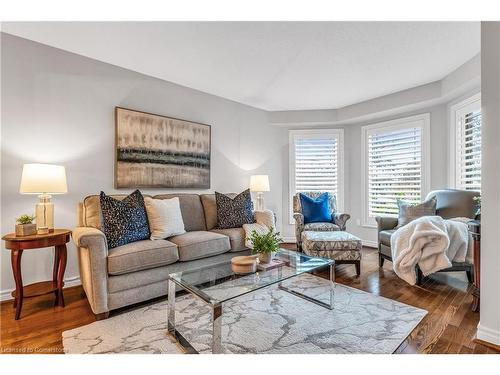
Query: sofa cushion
column 200, row 244
column 124, row 221
column 234, row 212
column 384, row 236
column 165, row 217
column 236, row 237
column 210, row 208
column 141, row 255
column 91, row 210
column 191, row 208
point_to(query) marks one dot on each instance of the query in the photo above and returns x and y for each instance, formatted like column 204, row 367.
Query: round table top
column 36, row 237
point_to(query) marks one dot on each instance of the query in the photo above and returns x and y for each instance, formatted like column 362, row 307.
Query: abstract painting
column 154, row 151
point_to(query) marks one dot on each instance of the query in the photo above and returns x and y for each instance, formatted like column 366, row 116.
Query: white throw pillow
column 165, row 217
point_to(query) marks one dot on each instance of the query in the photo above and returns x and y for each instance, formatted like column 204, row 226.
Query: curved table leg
column 61, row 249
column 54, row 274
column 16, row 270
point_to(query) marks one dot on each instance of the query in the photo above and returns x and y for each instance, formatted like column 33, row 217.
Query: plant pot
column 25, row 229
column 265, row 257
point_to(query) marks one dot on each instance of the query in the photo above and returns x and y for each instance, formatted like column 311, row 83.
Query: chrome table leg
column 171, row 308
column 217, row 329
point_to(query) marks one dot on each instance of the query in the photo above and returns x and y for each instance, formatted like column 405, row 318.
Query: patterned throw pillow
column 233, row 213
column 124, row 221
column 409, row 212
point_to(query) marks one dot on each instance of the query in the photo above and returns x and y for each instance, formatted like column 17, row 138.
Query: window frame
column 339, row 133
column 454, row 114
column 391, row 125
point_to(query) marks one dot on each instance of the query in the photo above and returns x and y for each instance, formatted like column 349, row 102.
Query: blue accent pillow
column 124, row 221
column 316, row 210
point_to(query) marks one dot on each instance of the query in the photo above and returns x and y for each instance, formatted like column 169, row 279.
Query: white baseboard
column 5, row 295
column 488, row 335
column 369, row 243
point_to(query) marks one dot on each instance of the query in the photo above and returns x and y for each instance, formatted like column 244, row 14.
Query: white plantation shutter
column 394, row 165
column 394, row 169
column 468, row 147
column 316, row 161
column 316, row 164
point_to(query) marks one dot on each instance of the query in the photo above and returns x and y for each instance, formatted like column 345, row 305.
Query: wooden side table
column 59, row 238
column 475, row 231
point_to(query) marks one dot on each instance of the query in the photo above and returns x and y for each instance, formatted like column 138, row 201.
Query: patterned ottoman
column 341, row 246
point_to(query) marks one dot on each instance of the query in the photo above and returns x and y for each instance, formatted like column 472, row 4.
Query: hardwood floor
column 449, row 327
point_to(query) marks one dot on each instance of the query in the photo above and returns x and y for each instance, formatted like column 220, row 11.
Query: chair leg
column 358, row 267
column 470, row 275
column 380, row 260
column 420, row 275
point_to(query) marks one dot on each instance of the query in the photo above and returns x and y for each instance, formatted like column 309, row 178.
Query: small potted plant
column 265, row 244
column 25, row 226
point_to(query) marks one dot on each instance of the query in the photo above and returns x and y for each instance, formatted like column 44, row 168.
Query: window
column 465, row 168
column 316, row 162
column 395, row 157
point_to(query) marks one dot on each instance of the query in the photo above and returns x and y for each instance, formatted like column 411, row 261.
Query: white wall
column 57, row 107
column 489, row 326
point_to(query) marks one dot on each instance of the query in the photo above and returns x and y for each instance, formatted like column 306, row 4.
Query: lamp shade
column 259, row 183
column 43, row 178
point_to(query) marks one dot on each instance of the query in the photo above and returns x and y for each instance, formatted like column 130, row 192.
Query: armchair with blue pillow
column 316, row 211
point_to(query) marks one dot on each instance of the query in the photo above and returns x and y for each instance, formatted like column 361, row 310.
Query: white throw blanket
column 264, row 222
column 432, row 243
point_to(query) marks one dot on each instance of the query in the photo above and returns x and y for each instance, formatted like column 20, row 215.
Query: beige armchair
column 339, row 219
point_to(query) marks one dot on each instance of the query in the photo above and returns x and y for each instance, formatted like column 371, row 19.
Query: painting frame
column 119, row 183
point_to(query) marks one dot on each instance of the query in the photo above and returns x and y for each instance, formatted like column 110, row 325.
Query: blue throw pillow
column 316, row 210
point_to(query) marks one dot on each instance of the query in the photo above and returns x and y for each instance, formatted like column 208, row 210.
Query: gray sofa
column 136, row 272
column 450, row 203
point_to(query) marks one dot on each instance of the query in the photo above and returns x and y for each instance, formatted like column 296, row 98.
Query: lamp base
column 44, row 212
column 259, row 202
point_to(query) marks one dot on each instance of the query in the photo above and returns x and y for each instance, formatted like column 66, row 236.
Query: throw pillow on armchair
column 316, row 210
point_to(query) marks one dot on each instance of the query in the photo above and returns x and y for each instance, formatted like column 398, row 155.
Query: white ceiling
column 273, row 65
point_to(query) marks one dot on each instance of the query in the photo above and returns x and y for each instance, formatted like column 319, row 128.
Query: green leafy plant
column 25, row 219
column 265, row 243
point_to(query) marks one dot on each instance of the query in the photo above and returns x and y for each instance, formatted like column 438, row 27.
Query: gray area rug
column 266, row 321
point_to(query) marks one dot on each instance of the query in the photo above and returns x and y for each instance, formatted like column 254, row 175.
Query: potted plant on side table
column 25, row 226
column 265, row 244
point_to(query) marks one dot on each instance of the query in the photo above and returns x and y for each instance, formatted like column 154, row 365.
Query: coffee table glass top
column 218, row 283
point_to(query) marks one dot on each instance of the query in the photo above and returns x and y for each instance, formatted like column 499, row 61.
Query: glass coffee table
column 217, row 284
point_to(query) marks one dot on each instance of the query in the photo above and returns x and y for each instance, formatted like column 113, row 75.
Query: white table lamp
column 43, row 179
column 259, row 184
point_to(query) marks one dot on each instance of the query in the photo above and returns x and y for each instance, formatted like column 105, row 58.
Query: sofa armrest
column 265, row 217
column 93, row 262
column 341, row 219
column 386, row 223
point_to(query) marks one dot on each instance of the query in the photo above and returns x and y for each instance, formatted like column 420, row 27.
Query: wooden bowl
column 244, row 264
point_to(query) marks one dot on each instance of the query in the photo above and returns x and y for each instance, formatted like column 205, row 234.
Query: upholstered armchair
column 450, row 203
column 339, row 219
